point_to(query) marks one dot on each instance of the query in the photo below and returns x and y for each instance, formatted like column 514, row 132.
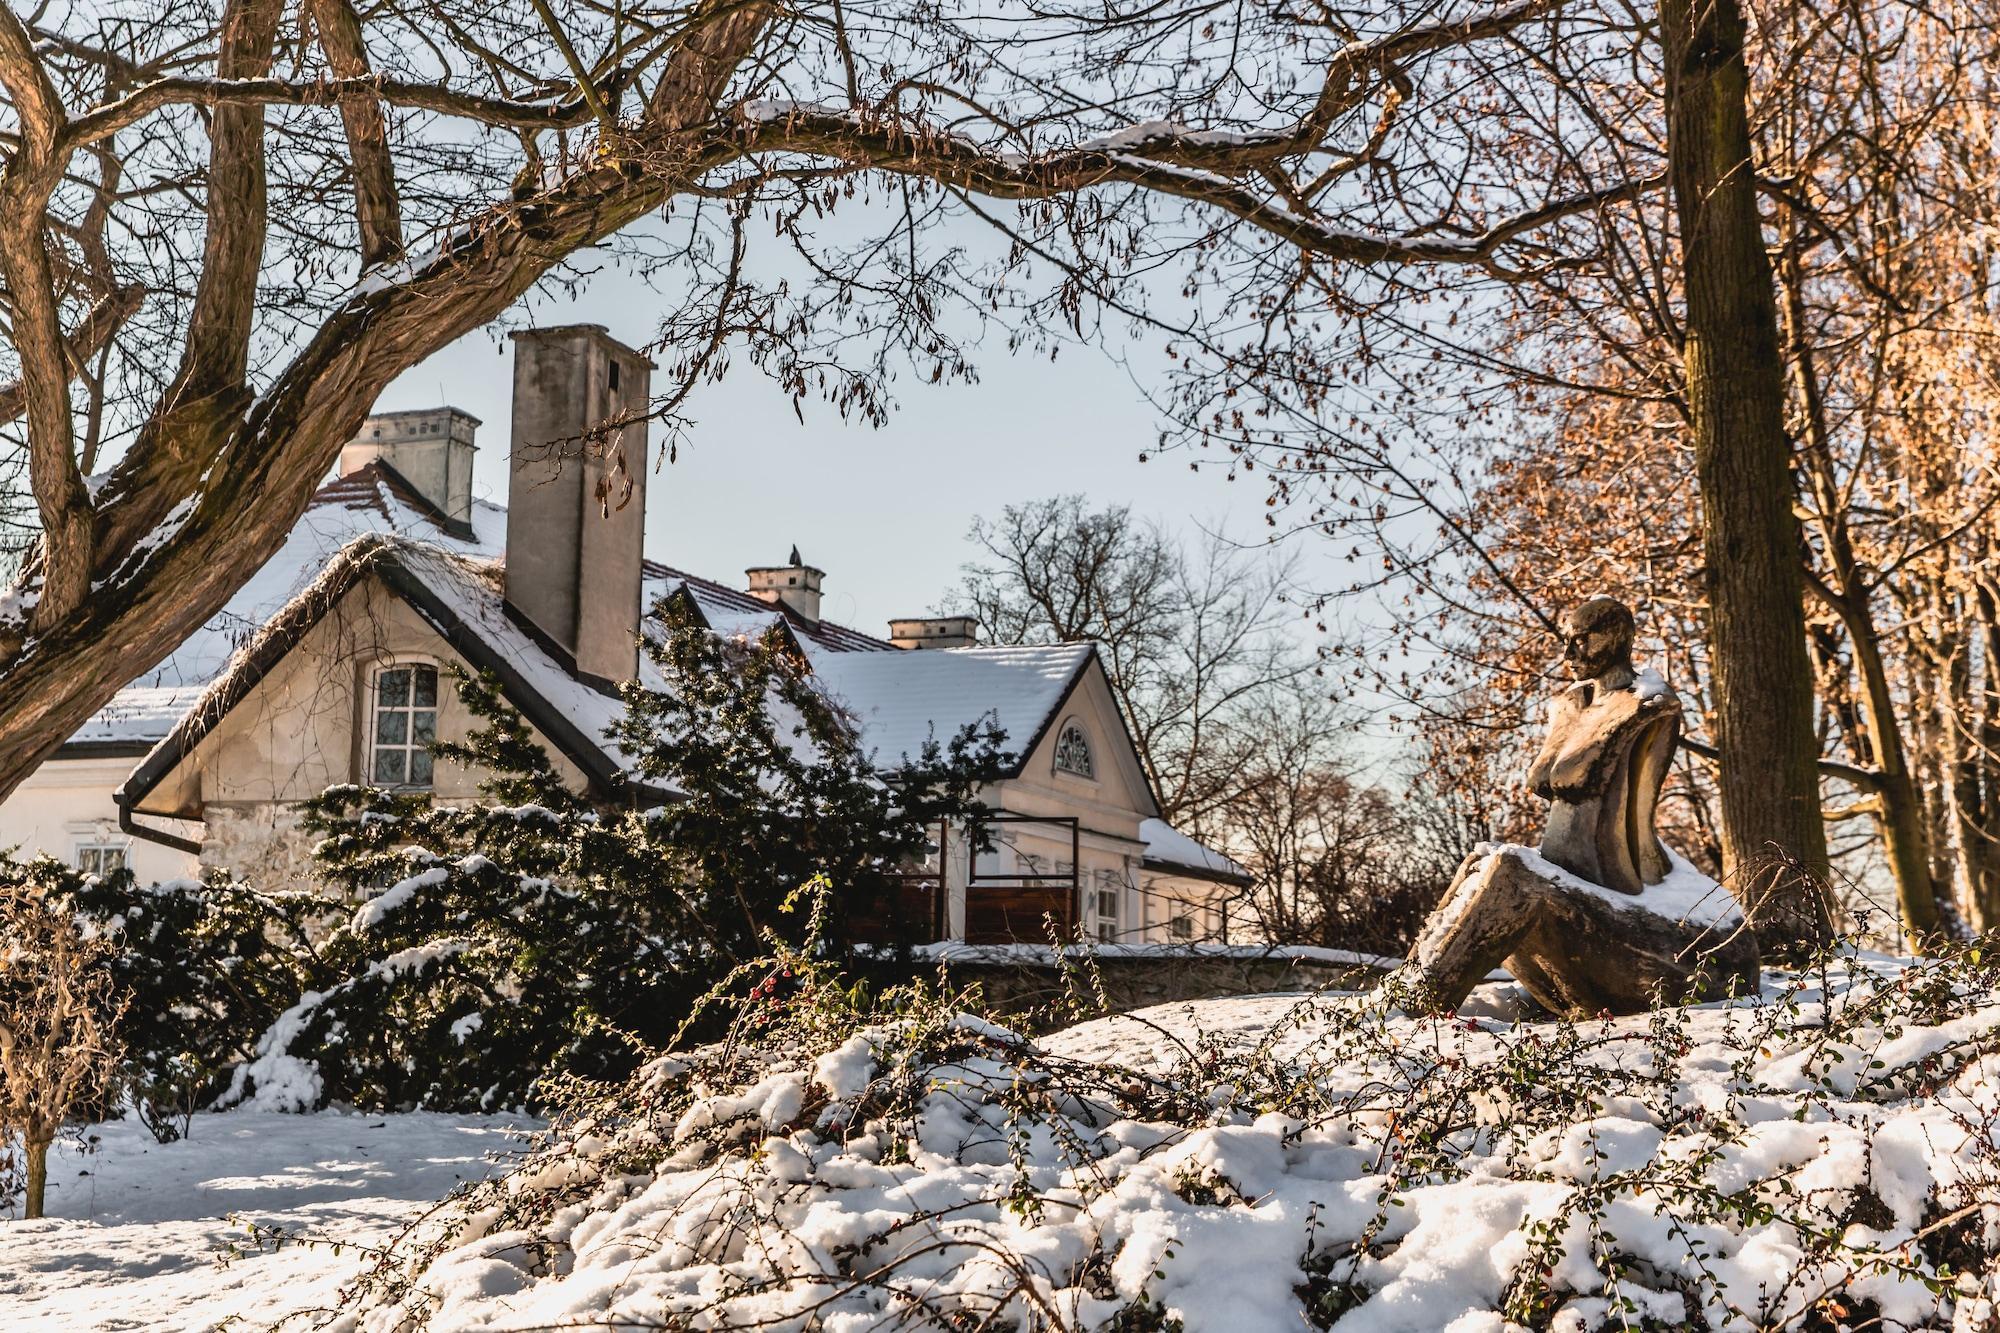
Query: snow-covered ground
column 137, row 1230
column 1254, row 1166
column 1801, row 1160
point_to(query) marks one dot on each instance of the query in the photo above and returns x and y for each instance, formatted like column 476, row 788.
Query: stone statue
column 1603, row 916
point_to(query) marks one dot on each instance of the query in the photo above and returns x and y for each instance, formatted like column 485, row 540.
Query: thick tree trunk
column 1774, row 844
column 38, row 1178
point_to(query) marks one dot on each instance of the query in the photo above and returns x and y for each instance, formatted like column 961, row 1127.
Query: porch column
column 954, row 872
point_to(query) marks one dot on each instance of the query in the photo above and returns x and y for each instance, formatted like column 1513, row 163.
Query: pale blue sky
column 883, row 511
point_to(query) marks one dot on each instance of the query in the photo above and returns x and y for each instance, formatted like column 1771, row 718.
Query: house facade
column 333, row 666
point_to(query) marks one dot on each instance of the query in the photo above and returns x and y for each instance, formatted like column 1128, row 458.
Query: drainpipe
column 128, row 825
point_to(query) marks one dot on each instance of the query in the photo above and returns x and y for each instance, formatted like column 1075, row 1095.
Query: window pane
column 423, row 728
column 392, row 728
column 420, row 767
column 389, row 766
column 427, row 686
column 86, row 860
column 393, row 688
column 113, row 860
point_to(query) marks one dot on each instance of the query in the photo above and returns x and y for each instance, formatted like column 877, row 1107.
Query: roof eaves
column 253, row 663
column 1181, row 870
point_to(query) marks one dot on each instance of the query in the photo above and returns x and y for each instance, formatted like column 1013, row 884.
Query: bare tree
column 221, row 236
column 1193, row 640
column 1340, row 861
column 58, row 1026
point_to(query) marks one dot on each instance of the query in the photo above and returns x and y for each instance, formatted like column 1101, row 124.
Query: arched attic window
column 1073, row 752
column 402, row 723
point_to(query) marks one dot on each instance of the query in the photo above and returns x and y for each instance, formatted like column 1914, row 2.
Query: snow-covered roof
column 732, row 611
column 139, row 714
column 371, row 500
column 1168, row 848
column 899, row 699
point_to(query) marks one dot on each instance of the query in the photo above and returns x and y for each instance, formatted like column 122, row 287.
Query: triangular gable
column 432, row 584
column 1089, row 696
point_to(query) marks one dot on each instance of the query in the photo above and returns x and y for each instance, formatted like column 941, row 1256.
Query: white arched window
column 1073, row 752
column 402, row 724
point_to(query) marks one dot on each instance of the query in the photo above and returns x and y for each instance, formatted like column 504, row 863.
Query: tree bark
column 38, row 1178
column 1774, row 844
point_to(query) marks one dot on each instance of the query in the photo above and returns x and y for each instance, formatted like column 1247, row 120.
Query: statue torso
column 1601, row 768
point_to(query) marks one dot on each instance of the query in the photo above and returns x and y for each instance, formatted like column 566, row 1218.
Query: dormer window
column 1073, row 752
column 403, row 725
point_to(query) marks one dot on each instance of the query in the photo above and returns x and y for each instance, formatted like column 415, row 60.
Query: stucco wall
column 67, row 802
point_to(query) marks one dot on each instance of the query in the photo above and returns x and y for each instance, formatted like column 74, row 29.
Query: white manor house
column 330, row 666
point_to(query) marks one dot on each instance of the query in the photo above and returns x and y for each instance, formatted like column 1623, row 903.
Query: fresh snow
column 903, row 699
column 1167, row 845
column 1686, row 895
column 1210, row 1214
column 137, row 1230
column 1013, row 1193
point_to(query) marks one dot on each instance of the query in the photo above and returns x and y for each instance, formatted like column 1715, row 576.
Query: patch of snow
column 1685, row 895
column 372, row 913
column 137, row 1229
column 1168, row 845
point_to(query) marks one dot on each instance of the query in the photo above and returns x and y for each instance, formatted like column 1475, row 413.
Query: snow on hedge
column 1820, row 1156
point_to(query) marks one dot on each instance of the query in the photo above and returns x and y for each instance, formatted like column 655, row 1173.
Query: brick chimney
column 430, row 448
column 935, row 632
column 576, row 495
column 794, row 585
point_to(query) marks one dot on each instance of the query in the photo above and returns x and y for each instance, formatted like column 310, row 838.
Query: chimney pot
column 921, row 632
column 794, row 586
column 430, row 448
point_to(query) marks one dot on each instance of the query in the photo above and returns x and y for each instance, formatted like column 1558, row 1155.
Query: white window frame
column 1089, row 770
column 1103, row 902
column 95, row 849
column 409, row 747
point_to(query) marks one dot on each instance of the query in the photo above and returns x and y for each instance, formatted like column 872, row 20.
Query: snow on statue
column 1604, row 916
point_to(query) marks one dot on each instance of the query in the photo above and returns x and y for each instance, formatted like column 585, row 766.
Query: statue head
column 1597, row 637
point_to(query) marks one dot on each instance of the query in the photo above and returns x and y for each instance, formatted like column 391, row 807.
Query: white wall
column 68, row 801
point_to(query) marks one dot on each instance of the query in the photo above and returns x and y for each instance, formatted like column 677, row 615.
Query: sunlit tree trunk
column 1774, row 844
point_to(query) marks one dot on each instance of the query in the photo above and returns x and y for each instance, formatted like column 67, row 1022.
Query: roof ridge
column 749, row 602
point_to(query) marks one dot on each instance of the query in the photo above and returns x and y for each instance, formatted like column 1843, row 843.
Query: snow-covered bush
column 1821, row 1156
column 489, row 943
column 206, row 967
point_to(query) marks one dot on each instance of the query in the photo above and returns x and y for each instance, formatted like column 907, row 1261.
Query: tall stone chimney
column 794, row 585
column 431, row 448
column 576, row 494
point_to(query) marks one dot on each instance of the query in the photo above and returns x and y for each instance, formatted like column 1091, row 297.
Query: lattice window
column 100, row 858
column 405, row 724
column 1073, row 752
